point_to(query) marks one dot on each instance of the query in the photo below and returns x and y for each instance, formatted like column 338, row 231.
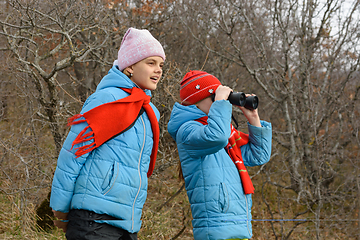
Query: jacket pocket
column 110, row 178
column 223, row 198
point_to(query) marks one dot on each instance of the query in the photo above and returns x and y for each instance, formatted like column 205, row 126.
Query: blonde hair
column 126, row 72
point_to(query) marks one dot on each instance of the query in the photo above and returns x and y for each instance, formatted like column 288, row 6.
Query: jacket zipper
column 139, row 163
column 247, row 213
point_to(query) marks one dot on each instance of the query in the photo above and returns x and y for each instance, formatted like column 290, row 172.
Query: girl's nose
column 159, row 69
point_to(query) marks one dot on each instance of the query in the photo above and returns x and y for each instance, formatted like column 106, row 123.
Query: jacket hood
column 181, row 114
column 115, row 78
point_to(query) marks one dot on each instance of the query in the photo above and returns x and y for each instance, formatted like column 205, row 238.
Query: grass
column 17, row 224
column 158, row 221
column 165, row 216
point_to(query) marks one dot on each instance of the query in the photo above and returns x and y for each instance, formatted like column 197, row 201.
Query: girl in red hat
column 213, row 156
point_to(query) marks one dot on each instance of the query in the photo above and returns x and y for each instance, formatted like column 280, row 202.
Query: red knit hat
column 197, row 85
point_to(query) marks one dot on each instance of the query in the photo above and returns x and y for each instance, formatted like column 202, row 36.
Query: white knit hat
column 136, row 46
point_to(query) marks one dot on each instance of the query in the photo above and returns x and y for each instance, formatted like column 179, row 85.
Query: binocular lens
column 240, row 99
column 252, row 102
column 237, row 98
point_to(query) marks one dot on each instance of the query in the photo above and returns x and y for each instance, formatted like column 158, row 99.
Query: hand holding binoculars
column 240, row 99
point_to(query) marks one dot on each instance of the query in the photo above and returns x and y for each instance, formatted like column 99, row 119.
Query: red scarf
column 110, row 119
column 236, row 140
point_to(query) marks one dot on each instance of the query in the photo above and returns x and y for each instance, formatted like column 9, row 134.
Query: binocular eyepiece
column 240, row 99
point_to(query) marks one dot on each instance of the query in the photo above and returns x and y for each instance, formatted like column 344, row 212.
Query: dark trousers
column 82, row 226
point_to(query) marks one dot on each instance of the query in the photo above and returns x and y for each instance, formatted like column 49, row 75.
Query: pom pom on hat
column 136, row 46
column 197, row 85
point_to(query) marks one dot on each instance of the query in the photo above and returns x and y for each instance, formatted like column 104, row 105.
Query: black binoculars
column 240, row 99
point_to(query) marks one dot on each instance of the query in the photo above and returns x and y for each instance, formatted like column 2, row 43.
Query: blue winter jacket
column 220, row 209
column 112, row 179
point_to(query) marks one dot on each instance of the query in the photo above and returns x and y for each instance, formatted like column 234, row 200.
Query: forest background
column 301, row 58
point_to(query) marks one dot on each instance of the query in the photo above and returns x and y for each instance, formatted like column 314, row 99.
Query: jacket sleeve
column 68, row 166
column 200, row 140
column 258, row 150
column 67, row 171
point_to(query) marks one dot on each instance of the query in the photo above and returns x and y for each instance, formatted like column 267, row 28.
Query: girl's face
column 205, row 104
column 147, row 72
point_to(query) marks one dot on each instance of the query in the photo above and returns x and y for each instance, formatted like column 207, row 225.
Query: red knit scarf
column 236, row 140
column 110, row 119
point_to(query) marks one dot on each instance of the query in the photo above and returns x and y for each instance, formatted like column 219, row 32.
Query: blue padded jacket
column 112, row 179
column 220, row 209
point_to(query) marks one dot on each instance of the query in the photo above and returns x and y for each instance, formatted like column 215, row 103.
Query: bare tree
column 300, row 58
column 40, row 40
column 304, row 56
column 46, row 40
column 55, row 53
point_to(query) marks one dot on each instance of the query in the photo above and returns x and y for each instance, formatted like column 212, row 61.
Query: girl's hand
column 58, row 223
column 251, row 115
column 222, row 93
